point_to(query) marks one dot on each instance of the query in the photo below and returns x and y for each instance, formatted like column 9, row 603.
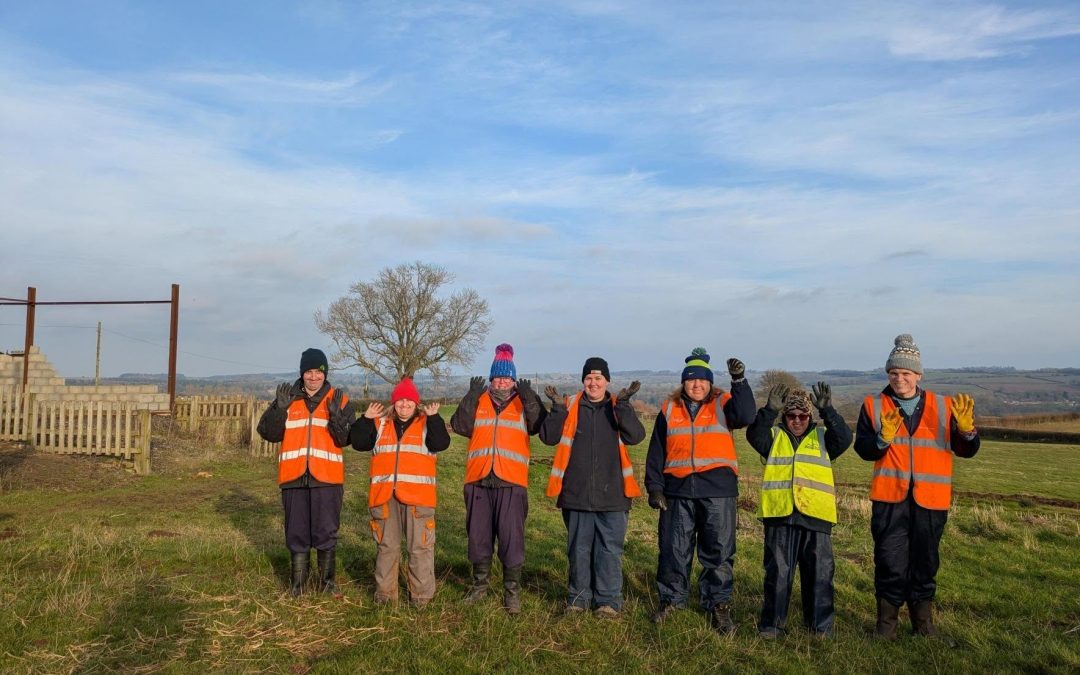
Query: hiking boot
column 769, row 633
column 573, row 610
column 481, row 571
column 887, row 616
column 512, row 590
column 327, row 572
column 922, row 621
column 300, row 563
column 606, row 612
column 661, row 615
column 720, row 619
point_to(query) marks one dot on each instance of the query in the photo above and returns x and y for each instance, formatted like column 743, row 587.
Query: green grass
column 179, row 573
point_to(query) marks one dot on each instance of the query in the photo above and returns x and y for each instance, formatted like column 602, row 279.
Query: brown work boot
column 922, row 621
column 887, row 616
column 720, row 619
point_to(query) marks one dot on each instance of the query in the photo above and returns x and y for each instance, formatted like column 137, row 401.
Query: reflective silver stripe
column 512, row 456
column 411, row 478
column 482, row 452
column 325, row 454
column 484, row 423
column 933, row 478
column 943, row 424
column 776, row 485
column 292, row 454
column 780, row 460
column 876, row 422
column 817, row 460
column 382, row 479
column 680, row 431
column 816, row 485
column 566, row 440
column 558, row 473
column 502, row 422
column 296, row 424
column 934, row 444
column 628, row 472
column 892, row 473
column 676, row 463
column 699, row 461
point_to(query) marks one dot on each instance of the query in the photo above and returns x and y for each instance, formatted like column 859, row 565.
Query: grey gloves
column 736, row 368
column 625, row 394
column 777, row 394
column 553, row 393
column 822, row 397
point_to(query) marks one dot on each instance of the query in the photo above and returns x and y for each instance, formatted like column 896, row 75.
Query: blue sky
column 790, row 183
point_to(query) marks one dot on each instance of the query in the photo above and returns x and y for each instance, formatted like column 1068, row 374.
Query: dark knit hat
column 503, row 365
column 905, row 355
column 405, row 389
column 313, row 359
column 797, row 399
column 697, row 366
column 595, row 364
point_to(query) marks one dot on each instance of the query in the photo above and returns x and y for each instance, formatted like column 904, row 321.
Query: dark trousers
column 707, row 524
column 594, row 548
column 906, row 540
column 785, row 547
column 496, row 513
column 312, row 517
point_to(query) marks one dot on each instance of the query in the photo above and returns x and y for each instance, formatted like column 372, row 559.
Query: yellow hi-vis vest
column 799, row 478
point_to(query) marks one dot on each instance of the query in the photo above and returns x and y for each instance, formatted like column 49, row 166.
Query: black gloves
column 657, row 500
column 525, row 390
column 553, row 393
column 736, row 368
column 822, row 397
column 625, row 394
column 284, row 395
column 340, row 414
column 476, row 386
column 777, row 394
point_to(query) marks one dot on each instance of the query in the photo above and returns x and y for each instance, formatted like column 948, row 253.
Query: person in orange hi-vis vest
column 403, row 442
column 911, row 435
column 498, row 420
column 593, row 478
column 692, row 477
column 311, row 420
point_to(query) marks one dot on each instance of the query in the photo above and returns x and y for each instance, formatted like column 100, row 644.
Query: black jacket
column 364, row 432
column 866, row 437
column 272, row 426
column 464, row 418
column 593, row 479
column 837, row 440
column 718, row 482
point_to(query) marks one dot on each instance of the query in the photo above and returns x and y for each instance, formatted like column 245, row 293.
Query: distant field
column 183, row 571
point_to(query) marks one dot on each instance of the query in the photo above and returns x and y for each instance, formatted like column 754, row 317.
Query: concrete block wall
column 48, row 385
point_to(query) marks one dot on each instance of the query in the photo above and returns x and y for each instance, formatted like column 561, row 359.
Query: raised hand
column 777, row 394
column 890, row 422
column 736, row 368
column 375, row 410
column 963, row 410
column 476, row 386
column 284, row 395
column 625, row 394
column 525, row 390
column 822, row 396
column 553, row 393
column 333, row 406
column 430, row 408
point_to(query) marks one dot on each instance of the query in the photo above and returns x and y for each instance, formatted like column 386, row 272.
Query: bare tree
column 396, row 326
column 771, row 378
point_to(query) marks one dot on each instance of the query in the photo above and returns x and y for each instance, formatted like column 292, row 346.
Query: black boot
column 300, row 562
column 480, row 574
column 922, row 621
column 887, row 616
column 326, row 572
column 512, row 590
column 720, row 619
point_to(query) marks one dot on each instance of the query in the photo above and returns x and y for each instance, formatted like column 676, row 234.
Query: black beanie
column 313, row 359
column 595, row 364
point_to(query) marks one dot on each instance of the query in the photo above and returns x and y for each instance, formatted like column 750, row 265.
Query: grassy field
column 184, row 571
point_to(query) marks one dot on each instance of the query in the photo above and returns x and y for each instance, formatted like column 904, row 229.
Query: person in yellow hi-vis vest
column 798, row 503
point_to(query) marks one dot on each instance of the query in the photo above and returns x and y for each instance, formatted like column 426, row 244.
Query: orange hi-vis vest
column 699, row 444
column 307, row 444
column 499, row 442
column 562, row 454
column 402, row 467
column 923, row 455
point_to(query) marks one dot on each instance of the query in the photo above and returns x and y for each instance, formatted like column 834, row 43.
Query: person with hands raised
column 403, row 441
column 691, row 475
column 798, row 503
column 498, row 420
column 592, row 478
column 311, row 420
column 911, row 435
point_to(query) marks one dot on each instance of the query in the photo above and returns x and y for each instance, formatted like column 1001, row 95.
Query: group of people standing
column 691, row 478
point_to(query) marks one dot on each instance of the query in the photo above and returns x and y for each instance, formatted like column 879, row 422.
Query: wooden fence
column 228, row 419
column 118, row 429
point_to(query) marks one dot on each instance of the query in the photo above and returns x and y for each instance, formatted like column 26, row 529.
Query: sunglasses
column 797, row 417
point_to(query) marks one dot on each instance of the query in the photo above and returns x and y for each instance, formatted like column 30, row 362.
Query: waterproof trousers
column 312, row 517
column 594, row 548
column 788, row 547
column 706, row 524
column 906, row 540
column 496, row 513
column 389, row 522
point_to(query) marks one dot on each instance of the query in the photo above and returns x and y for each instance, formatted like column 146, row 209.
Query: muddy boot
column 300, row 562
column 922, row 621
column 481, row 571
column 720, row 619
column 887, row 616
column 512, row 590
column 327, row 572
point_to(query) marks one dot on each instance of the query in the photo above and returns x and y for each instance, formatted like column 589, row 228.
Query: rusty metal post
column 174, row 326
column 31, row 306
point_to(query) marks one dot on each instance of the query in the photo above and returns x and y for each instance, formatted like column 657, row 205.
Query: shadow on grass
column 260, row 520
column 140, row 632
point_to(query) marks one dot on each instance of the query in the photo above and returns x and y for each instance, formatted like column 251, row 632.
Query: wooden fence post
column 193, row 417
column 253, row 443
column 142, row 457
column 30, row 419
